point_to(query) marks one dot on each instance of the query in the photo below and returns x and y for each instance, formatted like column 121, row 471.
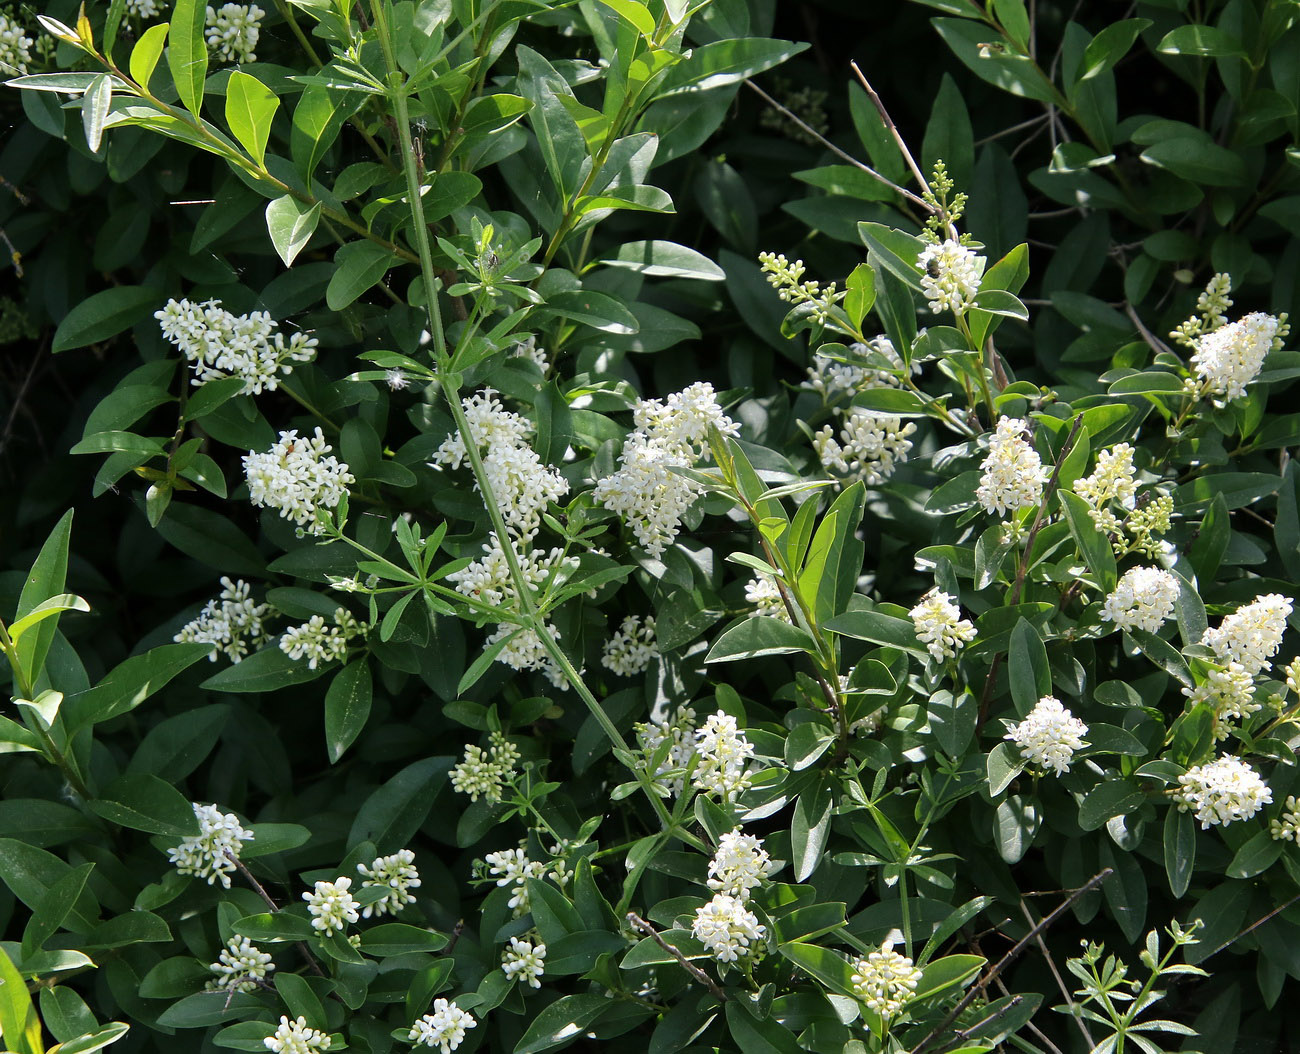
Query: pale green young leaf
column 146, row 53
column 187, row 57
column 250, row 108
column 291, row 225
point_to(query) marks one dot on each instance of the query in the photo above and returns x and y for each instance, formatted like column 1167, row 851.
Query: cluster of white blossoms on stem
column 1252, row 634
column 1222, row 791
column 522, row 483
column 727, row 928
column 294, row 1037
column 722, row 754
column 219, row 344
column 444, row 1028
column 1012, row 473
column 1230, row 692
column 763, row 592
column 397, row 875
column 952, row 276
column 1286, row 828
column 240, row 967
column 15, row 45
column 233, row 622
column 870, row 446
column 320, row 642
column 332, row 905
column 939, row 625
column 1049, row 735
column 511, row 867
column 885, row 980
column 668, row 434
column 212, row 853
column 143, row 9
column 1143, row 599
column 739, row 865
column 1113, row 478
column 630, row 650
column 297, row 476
column 679, row 734
column 524, row 960
column 485, row 772
column 832, row 378
column 233, row 31
column 1230, row 357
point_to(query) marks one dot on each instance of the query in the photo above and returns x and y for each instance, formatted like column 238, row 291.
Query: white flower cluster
column 232, row 32
column 1252, row 634
column 1293, row 675
column 319, row 642
column 398, row 875
column 1143, row 599
column 529, row 349
column 1049, row 735
column 939, row 625
column 523, row 485
column 870, row 447
column 722, row 754
column 241, row 967
column 1013, row 473
column 885, row 980
column 832, row 379
column 15, row 45
column 232, row 622
column 143, row 9
column 332, row 905
column 511, row 867
column 211, row 854
column 680, row 735
column 763, row 592
column 485, row 772
column 1231, row 356
column 1230, row 692
column 294, row 1037
column 670, row 434
column 727, row 928
column 740, row 864
column 219, row 344
column 630, row 650
column 524, row 961
column 1113, row 479
column 1286, row 827
column 444, row 1028
column 952, row 276
column 297, row 476
column 1222, row 791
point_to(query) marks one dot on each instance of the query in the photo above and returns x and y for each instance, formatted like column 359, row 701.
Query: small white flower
column 1287, row 826
column 763, row 592
column 727, row 928
column 1252, row 634
column 396, row 380
column 939, row 625
column 15, row 45
column 1143, row 599
column 952, row 276
column 1293, row 675
column 297, row 476
column 485, row 772
column 885, row 980
column 1230, row 692
column 232, row 622
column 524, row 961
column 1113, row 479
column 398, row 874
column 294, row 1037
column 143, row 9
column 1230, row 357
column 1049, row 735
column 722, row 752
column 1222, row 791
column 631, row 649
column 1012, row 473
column 511, row 867
column 240, row 967
column 740, row 864
column 870, row 447
column 680, row 733
column 444, row 1028
column 320, row 643
column 211, row 854
column 233, row 31
column 332, row 905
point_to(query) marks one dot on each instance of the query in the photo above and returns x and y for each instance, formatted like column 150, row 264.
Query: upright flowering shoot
column 297, row 476
column 1048, row 736
column 213, row 853
column 885, row 980
column 1232, row 356
column 1012, row 473
column 233, row 622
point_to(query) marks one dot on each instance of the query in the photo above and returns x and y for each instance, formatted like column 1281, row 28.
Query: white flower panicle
column 885, row 980
column 952, row 276
column 444, row 1028
column 529, row 349
column 727, row 928
column 219, row 344
column 1230, row 692
column 211, row 854
column 240, row 967
column 1231, row 356
column 763, row 592
column 233, row 622
column 511, row 867
column 1013, row 472
column 233, row 31
column 1252, row 634
column 722, row 752
column 142, row 9
column 939, row 625
column 1114, row 478
column 319, row 642
column 832, row 379
column 1221, row 791
column 1144, row 599
column 680, row 735
column 524, row 961
column 740, row 864
column 1293, row 675
column 1049, row 735
column 397, row 875
column 297, row 476
column 294, row 1037
column 870, row 447
column 632, row 647
column 669, row 434
column 1286, row 828
column 332, row 906
column 15, row 45
column 485, row 772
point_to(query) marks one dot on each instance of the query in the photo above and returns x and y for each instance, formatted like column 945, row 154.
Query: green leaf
column 131, row 683
column 1198, row 161
column 562, row 1022
column 54, row 907
column 636, row 13
column 726, row 62
column 94, row 109
column 895, row 251
column 44, row 581
column 759, row 635
column 660, row 259
column 397, row 938
column 946, row 973
column 559, row 138
column 1179, row 850
column 1154, row 382
column 878, row 628
column 143, row 802
column 1014, row 73
column 1109, row 46
column 948, row 135
column 1004, row 765
column 104, row 315
column 119, row 443
column 1202, row 42
column 269, row 838
column 394, row 812
column 187, row 57
column 859, row 293
column 250, row 108
column 274, row 926
column 759, row 1035
column 101, row 1037
column 359, row 265
column 1109, row 799
column 1027, row 668
column 146, row 53
column 597, row 310
column 29, row 872
column 264, row 671
column 1094, row 547
column 810, row 829
column 19, row 1023
column 347, row 706
column 291, row 225
column 1257, row 855
column 1015, row 822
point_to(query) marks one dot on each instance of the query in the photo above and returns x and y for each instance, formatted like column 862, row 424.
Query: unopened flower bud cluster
column 885, row 980
column 485, row 772
column 788, row 281
column 320, row 642
column 240, row 967
column 212, row 854
column 295, row 1037
column 232, row 32
column 396, row 874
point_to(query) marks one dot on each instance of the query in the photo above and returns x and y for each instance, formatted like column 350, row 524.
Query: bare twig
column 638, row 923
column 1253, row 926
column 269, row 901
column 893, row 128
column 1156, row 344
column 1060, row 981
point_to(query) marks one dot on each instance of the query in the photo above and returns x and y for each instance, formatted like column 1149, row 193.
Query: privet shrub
column 535, row 709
